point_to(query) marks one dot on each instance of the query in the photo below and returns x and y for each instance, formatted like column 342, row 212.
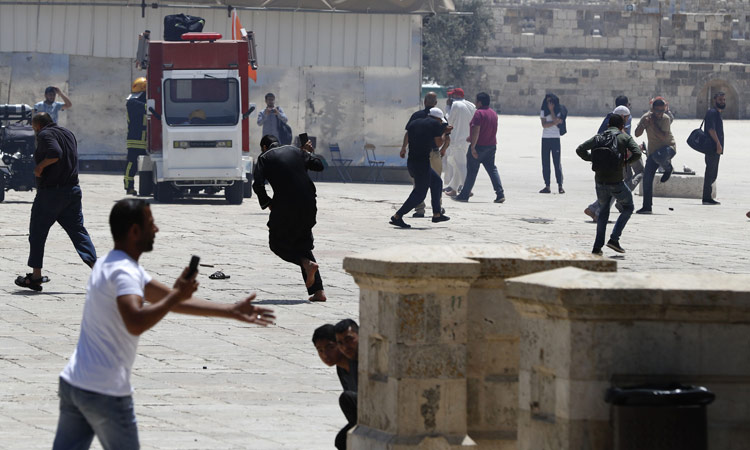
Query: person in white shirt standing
column 462, row 111
column 123, row 301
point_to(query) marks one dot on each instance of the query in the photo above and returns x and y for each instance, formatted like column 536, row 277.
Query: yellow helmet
column 139, row 85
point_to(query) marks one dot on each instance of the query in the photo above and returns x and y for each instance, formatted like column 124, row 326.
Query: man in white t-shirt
column 123, row 301
column 462, row 111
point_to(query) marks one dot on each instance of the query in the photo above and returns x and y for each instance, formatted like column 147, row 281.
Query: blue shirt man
column 50, row 106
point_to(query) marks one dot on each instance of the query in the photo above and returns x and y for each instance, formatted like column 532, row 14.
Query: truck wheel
column 2, row 187
column 248, row 187
column 146, row 183
column 234, row 193
column 164, row 192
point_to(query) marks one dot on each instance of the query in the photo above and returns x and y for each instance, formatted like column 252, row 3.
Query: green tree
column 448, row 38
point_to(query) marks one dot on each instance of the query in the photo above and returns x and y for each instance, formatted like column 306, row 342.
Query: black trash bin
column 659, row 417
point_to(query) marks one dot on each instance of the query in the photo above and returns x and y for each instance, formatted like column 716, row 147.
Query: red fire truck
column 198, row 128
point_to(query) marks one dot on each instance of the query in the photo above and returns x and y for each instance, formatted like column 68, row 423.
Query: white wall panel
column 287, row 39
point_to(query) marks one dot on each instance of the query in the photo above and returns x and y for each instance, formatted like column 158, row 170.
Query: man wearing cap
column 423, row 135
column 137, row 124
column 49, row 105
column 460, row 116
column 621, row 110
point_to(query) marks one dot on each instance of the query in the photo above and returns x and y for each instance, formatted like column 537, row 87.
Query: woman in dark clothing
column 551, row 116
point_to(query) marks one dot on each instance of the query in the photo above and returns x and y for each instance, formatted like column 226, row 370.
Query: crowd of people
column 123, row 300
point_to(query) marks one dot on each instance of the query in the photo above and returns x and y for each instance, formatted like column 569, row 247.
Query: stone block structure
column 582, row 332
column 440, row 344
column 679, row 186
column 588, row 53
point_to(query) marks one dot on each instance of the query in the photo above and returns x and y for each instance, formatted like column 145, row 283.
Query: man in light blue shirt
column 270, row 117
column 49, row 105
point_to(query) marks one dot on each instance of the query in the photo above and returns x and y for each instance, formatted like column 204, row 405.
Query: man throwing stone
column 293, row 206
column 122, row 302
column 610, row 152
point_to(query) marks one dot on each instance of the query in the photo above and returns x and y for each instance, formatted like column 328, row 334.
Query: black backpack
column 175, row 25
column 605, row 157
column 285, row 133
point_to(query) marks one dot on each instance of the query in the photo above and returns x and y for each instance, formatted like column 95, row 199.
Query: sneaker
column 711, row 202
column 597, row 251
column 451, row 193
column 644, row 210
column 545, row 190
column 748, row 214
column 399, row 222
column 615, row 245
column 560, row 189
column 458, row 198
column 418, row 215
column 667, row 174
column 131, row 191
column 500, row 199
column 590, row 213
column 440, row 218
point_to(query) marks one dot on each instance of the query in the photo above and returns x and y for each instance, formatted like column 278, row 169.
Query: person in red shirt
column 482, row 150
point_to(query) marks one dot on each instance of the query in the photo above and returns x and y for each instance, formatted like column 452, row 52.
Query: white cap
column 437, row 112
column 621, row 110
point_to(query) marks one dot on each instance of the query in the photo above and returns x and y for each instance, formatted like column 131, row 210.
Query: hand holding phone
column 303, row 140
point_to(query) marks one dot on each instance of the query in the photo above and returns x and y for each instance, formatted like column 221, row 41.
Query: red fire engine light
column 201, row 36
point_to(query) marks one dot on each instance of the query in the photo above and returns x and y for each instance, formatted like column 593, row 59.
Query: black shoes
column 399, row 222
column 560, row 189
column 441, row 218
column 711, row 202
column 500, row 199
column 545, row 190
column 418, row 215
column 458, row 198
column 597, row 251
column 644, row 211
column 615, row 245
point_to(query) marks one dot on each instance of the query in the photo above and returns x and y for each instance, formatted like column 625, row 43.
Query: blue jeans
column 487, row 159
column 61, row 205
column 84, row 414
column 660, row 158
column 425, row 178
column 551, row 146
column 604, row 194
column 712, row 171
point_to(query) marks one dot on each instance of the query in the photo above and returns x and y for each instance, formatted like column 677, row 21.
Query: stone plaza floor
column 210, row 384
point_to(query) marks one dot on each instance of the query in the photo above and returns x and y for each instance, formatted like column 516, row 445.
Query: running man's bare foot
column 319, row 296
column 311, row 268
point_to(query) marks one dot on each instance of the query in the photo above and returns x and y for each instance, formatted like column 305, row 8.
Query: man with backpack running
column 609, row 152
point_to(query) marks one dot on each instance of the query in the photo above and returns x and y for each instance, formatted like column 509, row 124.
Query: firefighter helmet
column 139, row 85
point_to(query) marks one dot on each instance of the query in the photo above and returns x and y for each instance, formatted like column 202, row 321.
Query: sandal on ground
column 219, row 275
column 29, row 283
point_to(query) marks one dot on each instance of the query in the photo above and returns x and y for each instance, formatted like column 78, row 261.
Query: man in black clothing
column 136, row 139
column 610, row 184
column 715, row 128
column 424, row 135
column 58, row 197
column 324, row 339
column 293, row 206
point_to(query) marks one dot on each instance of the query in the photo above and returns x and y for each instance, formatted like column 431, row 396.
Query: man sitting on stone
column 324, row 339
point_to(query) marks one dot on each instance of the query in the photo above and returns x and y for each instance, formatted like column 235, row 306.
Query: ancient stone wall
column 589, row 87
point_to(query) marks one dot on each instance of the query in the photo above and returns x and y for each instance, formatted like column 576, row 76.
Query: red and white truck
column 198, row 127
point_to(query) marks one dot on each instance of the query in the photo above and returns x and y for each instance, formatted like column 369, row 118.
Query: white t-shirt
column 105, row 353
column 461, row 113
column 551, row 132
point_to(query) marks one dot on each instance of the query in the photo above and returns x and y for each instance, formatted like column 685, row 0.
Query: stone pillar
column 582, row 332
column 406, row 294
column 412, row 351
column 493, row 340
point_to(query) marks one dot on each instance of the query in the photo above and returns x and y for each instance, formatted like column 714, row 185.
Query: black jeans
column 348, row 404
column 132, row 166
column 292, row 245
column 487, row 159
column 551, row 146
column 424, row 178
column 712, row 171
column 61, row 205
column 659, row 158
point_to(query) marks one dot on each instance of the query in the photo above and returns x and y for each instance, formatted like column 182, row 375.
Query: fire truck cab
column 198, row 128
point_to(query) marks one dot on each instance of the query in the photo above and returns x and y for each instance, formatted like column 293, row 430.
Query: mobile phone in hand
column 193, row 267
column 303, row 140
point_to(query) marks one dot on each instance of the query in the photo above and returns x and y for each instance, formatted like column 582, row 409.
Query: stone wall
column 589, row 87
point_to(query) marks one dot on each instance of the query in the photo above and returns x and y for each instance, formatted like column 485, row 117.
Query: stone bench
column 582, row 332
column 679, row 186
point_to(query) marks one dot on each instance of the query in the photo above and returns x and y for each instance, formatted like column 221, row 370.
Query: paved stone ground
column 205, row 384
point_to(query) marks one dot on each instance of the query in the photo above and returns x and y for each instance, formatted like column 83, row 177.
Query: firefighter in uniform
column 136, row 141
